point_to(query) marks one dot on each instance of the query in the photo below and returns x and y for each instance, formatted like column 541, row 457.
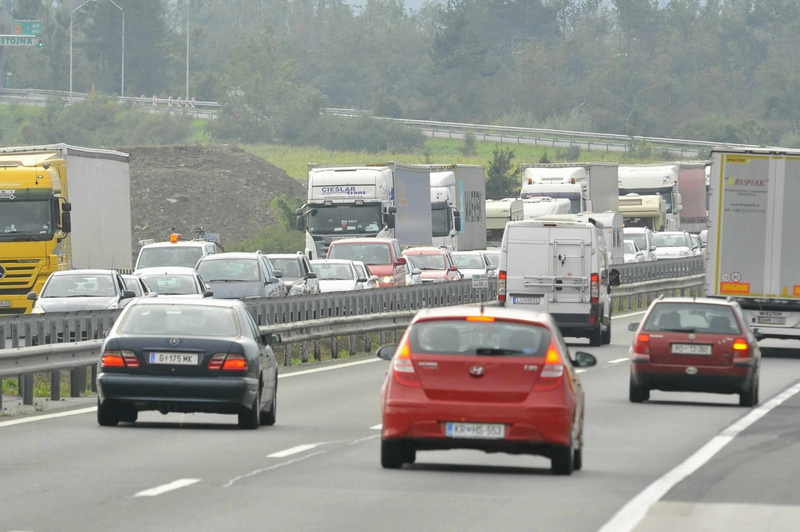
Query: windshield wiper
column 230, row 281
column 689, row 330
column 496, row 351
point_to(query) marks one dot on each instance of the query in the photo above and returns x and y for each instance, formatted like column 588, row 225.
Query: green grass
column 294, row 159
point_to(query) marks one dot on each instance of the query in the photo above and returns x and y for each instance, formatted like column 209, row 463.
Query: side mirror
column 208, row 293
column 271, row 339
column 457, row 220
column 66, row 222
column 66, row 207
column 391, row 210
column 584, row 360
column 106, row 332
column 491, row 267
column 32, row 296
column 298, row 212
column 759, row 334
column 390, row 219
column 386, row 352
column 312, row 275
column 362, row 280
column 401, row 261
column 300, row 223
column 273, row 280
column 128, row 294
column 277, row 273
column 614, row 279
column 633, row 327
column 652, row 248
column 416, row 271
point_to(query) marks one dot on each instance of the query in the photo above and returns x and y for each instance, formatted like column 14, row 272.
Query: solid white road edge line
column 328, row 368
column 293, row 450
column 632, row 513
column 377, row 427
column 172, row 486
column 618, row 360
column 47, row 416
column 628, row 315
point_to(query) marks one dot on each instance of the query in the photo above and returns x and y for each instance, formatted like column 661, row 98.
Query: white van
column 560, row 267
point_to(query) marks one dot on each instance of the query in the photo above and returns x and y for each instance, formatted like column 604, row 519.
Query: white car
column 697, row 247
column 643, row 237
column 672, row 245
column 363, row 273
column 184, row 283
column 77, row 290
column 632, row 252
column 413, row 273
column 493, row 256
column 337, row 275
column 470, row 263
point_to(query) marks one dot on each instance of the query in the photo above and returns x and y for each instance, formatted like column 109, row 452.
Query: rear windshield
column 429, row 262
column 333, row 272
column 664, row 240
column 179, row 320
column 692, row 317
column 223, row 270
column 178, row 256
column 289, row 267
column 471, row 261
column 461, row 337
column 75, row 285
column 171, row 285
column 369, row 254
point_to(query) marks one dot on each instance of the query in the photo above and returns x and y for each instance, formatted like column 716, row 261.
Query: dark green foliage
column 279, row 236
column 502, row 177
column 469, row 143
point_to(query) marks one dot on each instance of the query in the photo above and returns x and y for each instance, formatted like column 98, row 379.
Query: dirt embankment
column 221, row 188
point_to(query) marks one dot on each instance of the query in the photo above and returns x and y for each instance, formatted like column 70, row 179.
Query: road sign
column 19, row 40
column 27, row 27
column 479, row 280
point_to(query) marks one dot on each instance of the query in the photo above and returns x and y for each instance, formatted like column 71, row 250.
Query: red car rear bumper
column 737, row 378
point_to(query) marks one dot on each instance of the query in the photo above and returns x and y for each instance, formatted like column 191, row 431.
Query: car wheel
column 606, row 336
column 596, row 336
column 129, row 415
column 391, row 454
column 562, row 460
column 750, row 397
column 577, row 459
column 269, row 418
column 409, row 454
column 638, row 394
column 107, row 415
column 251, row 419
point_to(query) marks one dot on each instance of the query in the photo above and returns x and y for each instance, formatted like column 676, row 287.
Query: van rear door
column 528, row 267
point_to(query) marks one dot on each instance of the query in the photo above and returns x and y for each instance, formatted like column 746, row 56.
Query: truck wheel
column 607, row 334
column 596, row 336
column 638, row 394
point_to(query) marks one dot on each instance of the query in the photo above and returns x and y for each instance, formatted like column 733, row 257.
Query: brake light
column 480, row 318
column 403, row 368
column 642, row 344
column 741, row 348
column 216, row 361
column 234, row 363
column 119, row 359
column 130, row 359
column 553, row 371
column 501, row 286
column 595, row 288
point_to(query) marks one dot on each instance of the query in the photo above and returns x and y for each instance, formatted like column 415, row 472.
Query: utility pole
column 187, row 50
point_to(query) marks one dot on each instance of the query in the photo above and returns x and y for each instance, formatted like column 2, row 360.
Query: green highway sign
column 27, row 27
column 19, row 40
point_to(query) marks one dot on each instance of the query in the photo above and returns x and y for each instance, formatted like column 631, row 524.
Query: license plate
column 771, row 320
column 477, row 431
column 691, row 349
column 174, row 359
column 5, row 303
column 526, row 300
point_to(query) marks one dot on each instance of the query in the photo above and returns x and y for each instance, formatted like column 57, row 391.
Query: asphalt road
column 318, row 468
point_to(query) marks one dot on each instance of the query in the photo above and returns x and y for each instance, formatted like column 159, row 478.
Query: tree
column 502, row 178
column 469, row 143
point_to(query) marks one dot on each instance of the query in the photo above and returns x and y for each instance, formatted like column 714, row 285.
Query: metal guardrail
column 638, row 272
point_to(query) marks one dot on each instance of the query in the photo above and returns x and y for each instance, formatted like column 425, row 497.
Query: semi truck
column 61, row 207
column 753, row 251
column 643, row 211
column 385, row 200
column 498, row 214
column 692, row 186
column 590, row 187
column 545, row 206
column 610, row 225
column 650, row 179
column 458, row 216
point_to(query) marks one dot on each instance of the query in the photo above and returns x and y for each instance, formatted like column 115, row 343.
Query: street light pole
column 70, row 46
column 187, row 50
column 122, row 83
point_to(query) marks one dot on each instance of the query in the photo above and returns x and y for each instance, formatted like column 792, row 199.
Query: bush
column 161, row 129
column 280, row 236
column 573, row 153
column 362, row 134
column 469, row 147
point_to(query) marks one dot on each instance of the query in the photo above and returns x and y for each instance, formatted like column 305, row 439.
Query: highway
column 318, row 468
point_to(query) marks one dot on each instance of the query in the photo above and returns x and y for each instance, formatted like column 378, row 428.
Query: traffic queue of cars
column 643, row 245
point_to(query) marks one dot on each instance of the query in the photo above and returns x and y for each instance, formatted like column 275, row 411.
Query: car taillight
column 119, row 359
column 741, row 348
column 553, row 371
column 501, row 286
column 403, row 368
column 642, row 344
column 216, row 361
column 228, row 362
column 595, row 288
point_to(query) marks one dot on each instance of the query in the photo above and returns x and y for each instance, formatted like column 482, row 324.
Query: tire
column 562, row 461
column 129, row 415
column 409, row 454
column 606, row 335
column 251, row 419
column 596, row 336
column 750, row 397
column 107, row 415
column 638, row 394
column 392, row 454
column 269, row 418
column 577, row 459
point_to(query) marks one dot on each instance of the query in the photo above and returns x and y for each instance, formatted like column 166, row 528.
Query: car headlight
column 387, row 279
column 37, row 310
column 113, row 305
column 685, row 253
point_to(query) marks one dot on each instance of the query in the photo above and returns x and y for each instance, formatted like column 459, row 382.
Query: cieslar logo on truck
column 346, row 191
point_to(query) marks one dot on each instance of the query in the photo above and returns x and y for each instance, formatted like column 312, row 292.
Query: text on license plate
column 526, row 300
column 480, row 431
column 5, row 303
column 175, row 359
column 691, row 349
column 771, row 320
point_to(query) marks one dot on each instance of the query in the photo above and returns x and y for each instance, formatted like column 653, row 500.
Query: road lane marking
column 47, row 416
column 580, row 370
column 618, row 360
column 634, row 512
column 329, row 368
column 293, row 450
column 172, row 486
column 628, row 315
column 270, row 468
column 379, row 426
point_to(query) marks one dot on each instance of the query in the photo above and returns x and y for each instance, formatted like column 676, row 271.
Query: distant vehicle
column 695, row 345
column 470, row 263
column 381, row 255
column 590, row 187
column 76, row 290
column 490, row 379
column 646, row 212
column 673, row 245
column 298, row 275
column 175, row 282
column 458, row 192
column 498, row 214
column 697, row 247
column 494, row 259
column 241, row 276
column 338, row 276
column 187, row 356
column 545, row 206
column 652, row 179
column 413, row 274
column 632, row 252
column 562, row 268
column 692, row 188
column 437, row 264
column 364, row 273
column 175, row 253
column 703, row 238
column 136, row 285
column 643, row 238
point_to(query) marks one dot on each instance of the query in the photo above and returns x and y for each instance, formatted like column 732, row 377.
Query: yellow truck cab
column 61, row 207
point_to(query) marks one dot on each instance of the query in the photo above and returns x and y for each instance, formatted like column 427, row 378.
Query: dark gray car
column 298, row 274
column 241, row 276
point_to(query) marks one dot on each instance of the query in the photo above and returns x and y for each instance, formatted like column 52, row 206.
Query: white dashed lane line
column 165, row 488
column 293, row 450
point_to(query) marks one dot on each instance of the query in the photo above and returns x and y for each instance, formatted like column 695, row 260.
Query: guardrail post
column 287, row 355
column 382, row 337
column 317, row 355
column 304, row 352
column 334, row 348
column 352, row 345
column 367, row 343
column 26, row 381
column 94, row 377
column 55, row 385
column 2, row 346
column 77, row 381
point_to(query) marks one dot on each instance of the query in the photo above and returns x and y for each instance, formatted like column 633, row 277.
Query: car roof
column 207, row 302
column 699, row 300
column 425, row 251
column 363, row 241
column 466, row 252
column 282, row 256
column 85, row 272
column 540, row 318
column 231, row 255
column 331, row 261
column 634, row 229
column 179, row 243
column 168, row 270
column 670, row 233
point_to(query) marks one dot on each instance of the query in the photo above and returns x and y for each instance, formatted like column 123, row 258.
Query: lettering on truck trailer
column 474, row 206
column 343, row 191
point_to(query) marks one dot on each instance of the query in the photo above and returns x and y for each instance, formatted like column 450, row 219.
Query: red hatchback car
column 494, row 379
column 695, row 345
column 437, row 264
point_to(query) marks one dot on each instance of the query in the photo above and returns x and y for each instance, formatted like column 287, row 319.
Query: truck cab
column 643, row 211
column 648, row 180
column 545, row 206
column 589, row 187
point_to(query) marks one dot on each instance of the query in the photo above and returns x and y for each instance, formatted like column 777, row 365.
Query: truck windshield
column 440, row 220
column 184, row 257
column 665, row 193
column 350, row 219
column 21, row 219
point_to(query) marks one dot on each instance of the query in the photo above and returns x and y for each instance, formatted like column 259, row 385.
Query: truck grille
column 19, row 278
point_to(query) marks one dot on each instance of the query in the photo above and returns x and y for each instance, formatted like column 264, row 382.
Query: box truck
column 590, row 187
column 458, row 216
column 498, row 214
column 692, row 187
column 652, row 179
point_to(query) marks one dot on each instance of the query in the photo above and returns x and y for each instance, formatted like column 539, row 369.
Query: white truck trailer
column 458, row 216
column 692, row 187
column 651, row 179
column 545, row 206
column 356, row 201
column 753, row 252
column 590, row 187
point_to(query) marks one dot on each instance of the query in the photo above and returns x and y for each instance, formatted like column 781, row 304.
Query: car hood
column 433, row 274
column 468, row 273
column 74, row 304
column 381, row 270
column 235, row 290
column 336, row 286
column 673, row 252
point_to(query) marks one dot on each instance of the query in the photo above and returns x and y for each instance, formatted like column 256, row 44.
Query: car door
column 121, row 288
column 312, row 284
column 399, row 272
column 269, row 365
column 270, row 289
